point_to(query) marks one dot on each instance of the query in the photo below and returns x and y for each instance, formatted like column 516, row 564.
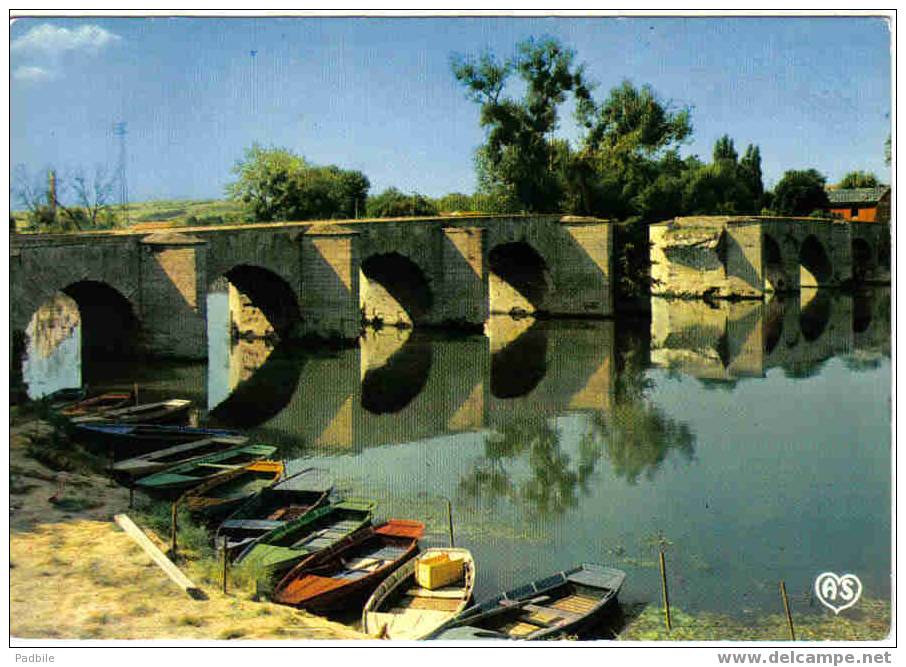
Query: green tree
column 750, row 172
column 727, row 186
column 800, row 192
column 278, row 184
column 392, row 203
column 630, row 142
column 515, row 164
column 455, row 202
column 724, row 149
column 264, row 181
column 858, row 179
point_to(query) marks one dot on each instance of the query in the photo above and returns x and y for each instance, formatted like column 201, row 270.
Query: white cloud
column 54, row 41
column 32, row 73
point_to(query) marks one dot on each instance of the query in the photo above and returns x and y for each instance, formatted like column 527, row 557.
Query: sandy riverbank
column 75, row 575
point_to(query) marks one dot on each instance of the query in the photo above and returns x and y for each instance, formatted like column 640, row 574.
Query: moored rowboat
column 401, row 608
column 161, row 459
column 98, row 404
column 273, row 507
column 193, row 473
column 338, row 577
column 222, row 493
column 162, row 412
column 562, row 603
column 322, row 528
column 125, row 440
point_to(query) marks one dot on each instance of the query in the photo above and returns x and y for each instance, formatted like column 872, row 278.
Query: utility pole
column 119, row 130
column 52, row 193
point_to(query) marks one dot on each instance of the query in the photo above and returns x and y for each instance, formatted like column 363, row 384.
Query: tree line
column 625, row 164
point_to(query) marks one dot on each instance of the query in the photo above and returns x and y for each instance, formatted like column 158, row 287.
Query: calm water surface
column 753, row 439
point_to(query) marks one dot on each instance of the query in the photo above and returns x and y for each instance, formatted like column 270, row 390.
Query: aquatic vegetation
column 646, row 623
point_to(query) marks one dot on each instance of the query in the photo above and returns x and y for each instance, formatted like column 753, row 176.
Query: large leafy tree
column 515, row 165
column 631, row 140
column 278, row 184
column 800, row 192
column 859, row 179
column 392, row 203
column 724, row 149
column 750, row 172
column 455, row 202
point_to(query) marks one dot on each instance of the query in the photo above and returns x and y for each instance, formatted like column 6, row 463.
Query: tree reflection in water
column 553, row 485
column 639, row 437
column 636, row 436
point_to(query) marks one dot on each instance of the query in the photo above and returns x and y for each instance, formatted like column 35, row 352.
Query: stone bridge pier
column 323, row 279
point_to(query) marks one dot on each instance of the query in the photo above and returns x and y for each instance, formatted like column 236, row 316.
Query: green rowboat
column 278, row 551
column 193, row 473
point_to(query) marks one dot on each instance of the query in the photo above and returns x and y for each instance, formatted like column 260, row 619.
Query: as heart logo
column 838, row 593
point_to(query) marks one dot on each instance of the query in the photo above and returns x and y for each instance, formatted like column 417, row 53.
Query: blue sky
column 377, row 94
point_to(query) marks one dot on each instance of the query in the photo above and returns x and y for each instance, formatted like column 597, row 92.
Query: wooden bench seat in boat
column 427, row 604
column 549, row 616
column 251, row 524
column 576, row 603
column 521, row 629
column 448, row 593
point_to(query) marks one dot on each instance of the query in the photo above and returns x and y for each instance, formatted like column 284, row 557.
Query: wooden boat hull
column 401, row 609
column 162, row 459
column 222, row 493
column 128, row 440
column 97, row 404
column 272, row 508
column 62, row 398
column 561, row 604
column 189, row 475
column 323, row 528
column 174, row 411
column 342, row 577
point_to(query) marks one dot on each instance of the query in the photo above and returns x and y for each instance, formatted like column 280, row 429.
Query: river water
column 752, row 440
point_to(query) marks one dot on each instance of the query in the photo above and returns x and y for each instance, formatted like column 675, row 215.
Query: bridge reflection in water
column 725, row 341
column 403, row 385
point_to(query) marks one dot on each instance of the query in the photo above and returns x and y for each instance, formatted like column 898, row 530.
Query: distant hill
column 171, row 213
column 178, row 213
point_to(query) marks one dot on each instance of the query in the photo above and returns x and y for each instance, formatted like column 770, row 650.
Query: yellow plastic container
column 437, row 571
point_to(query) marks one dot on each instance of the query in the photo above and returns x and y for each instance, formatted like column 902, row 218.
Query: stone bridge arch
column 394, row 290
column 864, row 259
column 262, row 302
column 815, row 262
column 775, row 274
column 105, row 291
column 520, row 279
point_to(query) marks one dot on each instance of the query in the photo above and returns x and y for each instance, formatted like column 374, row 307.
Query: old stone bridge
column 749, row 256
column 314, row 278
